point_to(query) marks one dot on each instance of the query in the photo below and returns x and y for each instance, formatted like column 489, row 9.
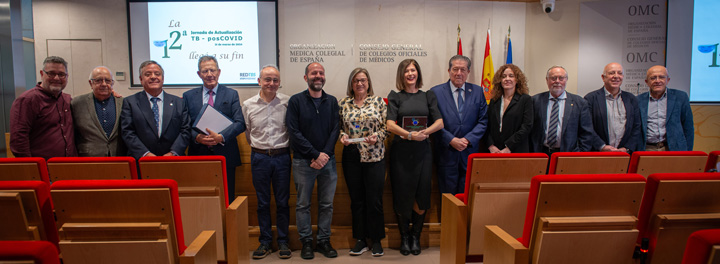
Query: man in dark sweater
column 312, row 120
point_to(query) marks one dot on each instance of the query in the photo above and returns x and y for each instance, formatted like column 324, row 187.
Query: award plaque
column 414, row 123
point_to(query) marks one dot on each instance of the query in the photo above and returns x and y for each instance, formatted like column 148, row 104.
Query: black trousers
column 365, row 182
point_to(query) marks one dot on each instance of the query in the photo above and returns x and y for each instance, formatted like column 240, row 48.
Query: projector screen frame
column 133, row 68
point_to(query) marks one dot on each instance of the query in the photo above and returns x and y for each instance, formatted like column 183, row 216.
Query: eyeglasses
column 52, row 75
column 360, row 81
column 102, row 80
column 656, row 77
column 271, row 80
column 557, row 78
column 459, row 70
column 211, row 71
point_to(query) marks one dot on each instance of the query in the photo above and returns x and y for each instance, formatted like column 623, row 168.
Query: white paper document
column 212, row 119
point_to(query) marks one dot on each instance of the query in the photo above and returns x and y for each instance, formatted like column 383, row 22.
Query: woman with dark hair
column 510, row 113
column 412, row 116
column 363, row 133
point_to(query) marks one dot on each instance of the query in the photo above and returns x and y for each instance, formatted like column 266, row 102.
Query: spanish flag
column 459, row 42
column 488, row 70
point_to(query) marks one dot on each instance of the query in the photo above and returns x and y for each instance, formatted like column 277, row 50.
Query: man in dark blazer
column 620, row 131
column 464, row 111
column 96, row 117
column 227, row 102
column 667, row 120
column 153, row 122
column 573, row 126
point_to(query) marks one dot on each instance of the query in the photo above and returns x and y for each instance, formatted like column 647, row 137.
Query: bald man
column 615, row 113
column 97, row 117
column 667, row 121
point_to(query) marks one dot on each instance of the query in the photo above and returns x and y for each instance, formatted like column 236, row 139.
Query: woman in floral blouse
column 363, row 134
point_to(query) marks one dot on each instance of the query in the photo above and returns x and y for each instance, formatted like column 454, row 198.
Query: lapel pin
column 170, row 104
column 570, row 104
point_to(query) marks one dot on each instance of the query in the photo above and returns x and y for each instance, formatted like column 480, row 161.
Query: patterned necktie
column 460, row 101
column 156, row 112
column 211, row 102
column 554, row 121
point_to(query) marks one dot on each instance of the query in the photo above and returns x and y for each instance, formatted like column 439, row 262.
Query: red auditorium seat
column 27, row 212
column 712, row 160
column 580, row 218
column 649, row 162
column 674, row 206
column 703, row 247
column 38, row 252
column 92, row 168
column 125, row 221
column 23, row 169
column 588, row 162
column 202, row 185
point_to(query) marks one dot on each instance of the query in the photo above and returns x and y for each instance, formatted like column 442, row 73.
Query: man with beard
column 615, row 113
column 97, row 117
column 312, row 120
column 41, row 123
column 225, row 101
column 562, row 121
column 154, row 122
column 667, row 120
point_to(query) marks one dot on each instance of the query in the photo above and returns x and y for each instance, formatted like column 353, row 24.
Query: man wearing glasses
column 667, row 120
column 97, row 117
column 562, row 120
column 227, row 102
column 41, row 123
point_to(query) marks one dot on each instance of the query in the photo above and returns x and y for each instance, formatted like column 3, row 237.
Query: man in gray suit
column 97, row 117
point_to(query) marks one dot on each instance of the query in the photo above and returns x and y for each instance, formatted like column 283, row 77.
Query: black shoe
column 307, row 250
column 377, row 249
column 360, row 247
column 417, row 225
column 262, row 251
column 415, row 244
column 284, row 251
column 405, row 245
column 324, row 247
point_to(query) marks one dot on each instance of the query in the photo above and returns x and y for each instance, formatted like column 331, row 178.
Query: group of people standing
column 455, row 114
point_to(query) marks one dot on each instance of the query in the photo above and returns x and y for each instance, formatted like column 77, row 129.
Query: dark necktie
column 156, row 113
column 554, row 121
column 460, row 101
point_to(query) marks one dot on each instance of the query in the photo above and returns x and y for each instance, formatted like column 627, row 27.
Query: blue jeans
column 305, row 177
column 272, row 171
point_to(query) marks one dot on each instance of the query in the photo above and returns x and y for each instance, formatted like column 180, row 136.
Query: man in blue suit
column 667, row 121
column 615, row 113
column 152, row 121
column 562, row 120
column 227, row 102
column 464, row 111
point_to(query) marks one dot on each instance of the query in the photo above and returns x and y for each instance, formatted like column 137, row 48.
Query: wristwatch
column 409, row 135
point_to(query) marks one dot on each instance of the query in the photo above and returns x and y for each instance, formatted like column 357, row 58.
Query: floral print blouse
column 364, row 121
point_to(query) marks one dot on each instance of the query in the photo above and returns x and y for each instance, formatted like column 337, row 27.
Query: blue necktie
column 460, row 101
column 156, row 112
column 554, row 121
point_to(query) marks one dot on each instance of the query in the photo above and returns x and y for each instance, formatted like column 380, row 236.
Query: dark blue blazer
column 139, row 131
column 227, row 102
column 472, row 126
column 679, row 129
column 577, row 133
column 598, row 110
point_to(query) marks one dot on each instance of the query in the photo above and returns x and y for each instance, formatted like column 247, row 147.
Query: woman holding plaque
column 510, row 114
column 412, row 116
column 363, row 160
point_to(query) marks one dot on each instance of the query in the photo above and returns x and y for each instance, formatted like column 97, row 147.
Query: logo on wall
column 710, row 48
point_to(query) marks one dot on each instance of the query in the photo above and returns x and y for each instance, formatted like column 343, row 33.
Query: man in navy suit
column 464, row 111
column 615, row 113
column 154, row 122
column 667, row 121
column 562, row 120
column 227, row 102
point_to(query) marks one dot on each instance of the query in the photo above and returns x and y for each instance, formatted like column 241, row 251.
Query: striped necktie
column 554, row 121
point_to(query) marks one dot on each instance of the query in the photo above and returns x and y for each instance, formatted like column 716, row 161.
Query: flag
column 488, row 69
column 459, row 42
column 508, row 59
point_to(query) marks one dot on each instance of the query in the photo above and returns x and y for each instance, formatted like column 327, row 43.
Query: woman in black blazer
column 510, row 112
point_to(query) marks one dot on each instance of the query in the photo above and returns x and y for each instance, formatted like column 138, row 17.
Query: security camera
column 548, row 6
